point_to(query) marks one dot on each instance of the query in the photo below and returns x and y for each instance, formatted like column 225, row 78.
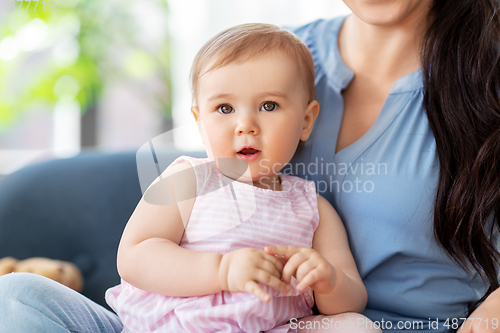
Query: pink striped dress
column 229, row 215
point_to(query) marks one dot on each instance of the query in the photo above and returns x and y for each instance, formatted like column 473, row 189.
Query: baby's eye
column 269, row 106
column 225, row 109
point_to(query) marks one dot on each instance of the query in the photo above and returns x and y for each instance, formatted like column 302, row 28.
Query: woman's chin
column 387, row 12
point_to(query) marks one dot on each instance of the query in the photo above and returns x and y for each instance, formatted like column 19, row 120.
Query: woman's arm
column 328, row 268
column 486, row 318
column 149, row 256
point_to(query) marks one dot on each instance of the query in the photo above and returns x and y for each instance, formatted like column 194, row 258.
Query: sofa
column 75, row 210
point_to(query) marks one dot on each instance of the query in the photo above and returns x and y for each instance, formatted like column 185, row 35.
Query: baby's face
column 256, row 112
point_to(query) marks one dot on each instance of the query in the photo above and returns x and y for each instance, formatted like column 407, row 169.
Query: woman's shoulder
column 320, row 33
column 310, row 31
column 321, row 38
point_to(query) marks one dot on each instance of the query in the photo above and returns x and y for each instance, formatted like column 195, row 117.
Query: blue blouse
column 383, row 187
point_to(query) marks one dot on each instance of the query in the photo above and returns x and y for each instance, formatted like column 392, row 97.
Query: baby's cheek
column 288, row 137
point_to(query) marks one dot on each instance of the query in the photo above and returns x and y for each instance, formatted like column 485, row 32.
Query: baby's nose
column 247, row 124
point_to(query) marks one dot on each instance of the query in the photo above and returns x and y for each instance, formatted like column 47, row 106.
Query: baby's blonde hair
column 247, row 42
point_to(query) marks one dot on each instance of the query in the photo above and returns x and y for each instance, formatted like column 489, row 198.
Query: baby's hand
column 242, row 271
column 307, row 265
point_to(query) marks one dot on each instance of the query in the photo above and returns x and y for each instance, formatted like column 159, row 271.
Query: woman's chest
column 363, row 100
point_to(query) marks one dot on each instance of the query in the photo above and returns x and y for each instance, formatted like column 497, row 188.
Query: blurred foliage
column 68, row 52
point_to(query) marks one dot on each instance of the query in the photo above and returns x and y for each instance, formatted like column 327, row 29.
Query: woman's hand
column 242, row 271
column 486, row 318
column 309, row 267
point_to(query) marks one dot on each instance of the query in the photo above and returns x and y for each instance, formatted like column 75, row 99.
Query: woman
column 406, row 147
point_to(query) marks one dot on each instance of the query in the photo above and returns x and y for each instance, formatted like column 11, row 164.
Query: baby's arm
column 150, row 258
column 330, row 240
column 328, row 267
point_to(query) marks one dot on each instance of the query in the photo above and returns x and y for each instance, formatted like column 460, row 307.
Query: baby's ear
column 199, row 123
column 196, row 112
column 310, row 115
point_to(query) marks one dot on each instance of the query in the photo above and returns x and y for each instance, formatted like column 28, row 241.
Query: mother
column 406, row 147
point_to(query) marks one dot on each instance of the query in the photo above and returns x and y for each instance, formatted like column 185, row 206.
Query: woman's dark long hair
column 461, row 73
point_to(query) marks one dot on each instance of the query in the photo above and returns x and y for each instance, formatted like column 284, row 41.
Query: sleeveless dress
column 228, row 215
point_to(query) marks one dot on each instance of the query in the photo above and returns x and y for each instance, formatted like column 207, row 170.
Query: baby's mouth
column 248, row 151
column 248, row 154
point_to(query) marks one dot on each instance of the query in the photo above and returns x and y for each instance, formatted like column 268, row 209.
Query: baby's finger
column 271, row 281
column 284, row 251
column 283, row 260
column 304, row 268
column 309, row 279
column 275, row 260
column 270, row 268
column 291, row 266
column 253, row 288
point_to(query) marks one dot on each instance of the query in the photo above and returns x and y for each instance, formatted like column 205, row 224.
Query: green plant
column 70, row 51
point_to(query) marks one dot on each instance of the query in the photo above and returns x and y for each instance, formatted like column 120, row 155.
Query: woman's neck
column 383, row 51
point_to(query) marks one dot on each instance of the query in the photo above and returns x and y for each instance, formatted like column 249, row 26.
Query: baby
column 242, row 248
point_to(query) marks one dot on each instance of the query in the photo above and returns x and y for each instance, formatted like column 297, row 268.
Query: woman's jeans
column 31, row 303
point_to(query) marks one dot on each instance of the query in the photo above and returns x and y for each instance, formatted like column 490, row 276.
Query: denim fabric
column 31, row 303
